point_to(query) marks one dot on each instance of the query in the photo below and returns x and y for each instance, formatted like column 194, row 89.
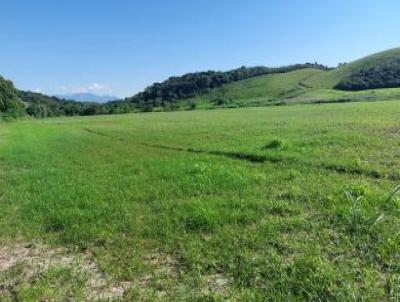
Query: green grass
column 241, row 205
column 338, row 96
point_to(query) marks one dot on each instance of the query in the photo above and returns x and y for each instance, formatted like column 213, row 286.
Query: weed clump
column 276, row 143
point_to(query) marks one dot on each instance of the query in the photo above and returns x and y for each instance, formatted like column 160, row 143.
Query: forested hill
column 40, row 105
column 167, row 93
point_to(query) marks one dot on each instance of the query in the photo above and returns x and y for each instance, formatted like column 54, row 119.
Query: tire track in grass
column 259, row 159
column 97, row 132
column 254, row 158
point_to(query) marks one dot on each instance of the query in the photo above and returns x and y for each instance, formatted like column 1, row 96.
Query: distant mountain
column 88, row 97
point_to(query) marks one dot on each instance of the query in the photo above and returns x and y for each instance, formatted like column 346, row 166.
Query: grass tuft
column 276, row 143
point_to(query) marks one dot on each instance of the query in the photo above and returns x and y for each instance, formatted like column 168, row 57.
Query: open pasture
column 286, row 203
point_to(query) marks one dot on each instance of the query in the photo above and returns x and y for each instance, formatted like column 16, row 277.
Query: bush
column 148, row 108
column 222, row 100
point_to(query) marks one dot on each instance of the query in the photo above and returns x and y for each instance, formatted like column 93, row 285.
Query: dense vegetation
column 384, row 75
column 289, row 203
column 10, row 104
column 40, row 106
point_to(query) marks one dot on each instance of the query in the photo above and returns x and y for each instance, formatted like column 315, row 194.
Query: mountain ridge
column 88, row 97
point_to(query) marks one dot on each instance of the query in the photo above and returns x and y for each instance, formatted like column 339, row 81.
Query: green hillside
column 168, row 95
column 387, row 63
column 259, row 90
column 356, row 81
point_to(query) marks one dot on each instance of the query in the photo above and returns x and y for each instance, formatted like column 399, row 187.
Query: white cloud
column 62, row 88
column 38, row 90
column 95, row 86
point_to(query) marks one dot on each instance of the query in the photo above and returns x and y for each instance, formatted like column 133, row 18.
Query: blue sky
column 121, row 46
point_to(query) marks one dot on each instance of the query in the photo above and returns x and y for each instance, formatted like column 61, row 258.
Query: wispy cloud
column 93, row 88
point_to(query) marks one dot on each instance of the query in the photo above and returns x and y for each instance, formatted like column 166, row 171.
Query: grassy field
column 289, row 203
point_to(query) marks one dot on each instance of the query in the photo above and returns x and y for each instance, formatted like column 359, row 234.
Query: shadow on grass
column 258, row 158
column 254, row 158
